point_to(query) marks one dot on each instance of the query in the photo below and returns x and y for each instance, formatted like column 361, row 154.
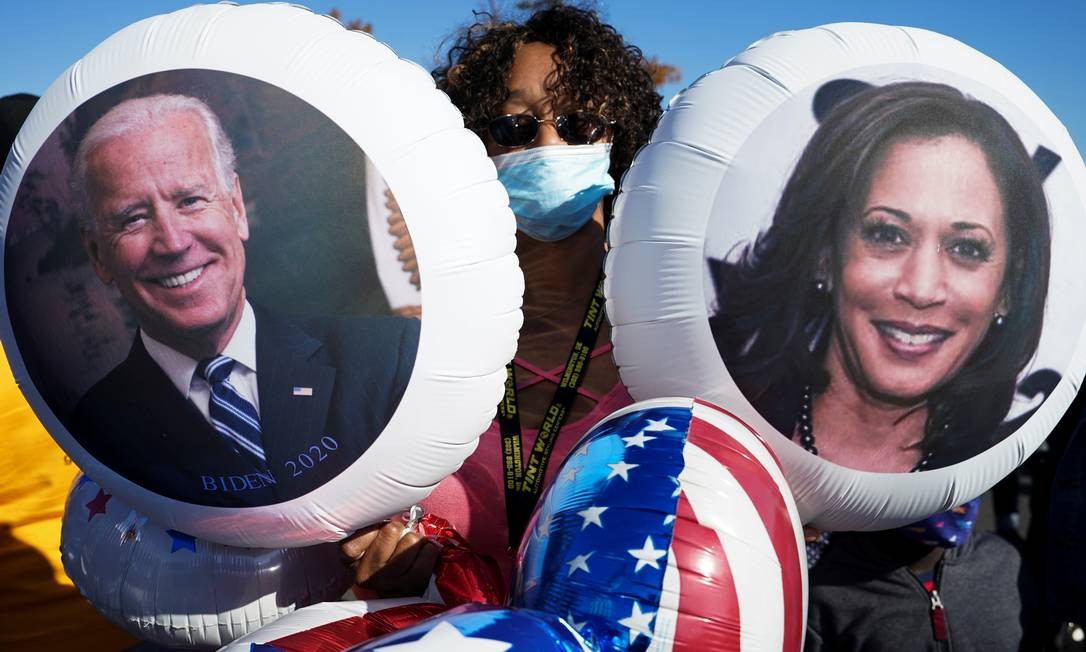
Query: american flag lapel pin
column 303, row 391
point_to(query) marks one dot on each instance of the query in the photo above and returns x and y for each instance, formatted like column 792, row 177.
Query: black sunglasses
column 577, row 128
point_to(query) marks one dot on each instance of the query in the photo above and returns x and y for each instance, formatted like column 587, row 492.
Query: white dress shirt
column 181, row 369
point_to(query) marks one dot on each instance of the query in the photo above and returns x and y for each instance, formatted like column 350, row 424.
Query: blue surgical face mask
column 554, row 190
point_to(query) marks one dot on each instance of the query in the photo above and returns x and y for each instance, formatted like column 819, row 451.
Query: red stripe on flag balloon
column 341, row 634
column 763, row 442
column 765, row 495
column 708, row 617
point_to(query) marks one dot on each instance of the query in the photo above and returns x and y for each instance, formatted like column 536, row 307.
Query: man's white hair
column 139, row 114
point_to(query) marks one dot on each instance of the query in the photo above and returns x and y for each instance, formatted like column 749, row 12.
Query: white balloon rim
column 456, row 210
column 661, row 227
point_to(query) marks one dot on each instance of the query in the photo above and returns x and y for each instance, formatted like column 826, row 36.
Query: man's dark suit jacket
column 328, row 386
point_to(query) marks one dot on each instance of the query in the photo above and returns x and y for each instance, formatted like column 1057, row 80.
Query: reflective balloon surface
column 170, row 588
column 670, row 526
column 479, row 628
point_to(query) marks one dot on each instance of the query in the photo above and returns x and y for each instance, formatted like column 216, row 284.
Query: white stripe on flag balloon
column 755, row 567
column 663, row 630
column 727, row 422
column 744, row 434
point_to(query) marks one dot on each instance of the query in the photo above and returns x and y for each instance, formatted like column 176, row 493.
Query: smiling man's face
column 168, row 233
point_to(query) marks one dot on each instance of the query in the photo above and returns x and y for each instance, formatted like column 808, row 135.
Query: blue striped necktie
column 233, row 417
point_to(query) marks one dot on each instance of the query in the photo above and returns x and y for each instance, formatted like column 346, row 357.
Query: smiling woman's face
column 923, row 267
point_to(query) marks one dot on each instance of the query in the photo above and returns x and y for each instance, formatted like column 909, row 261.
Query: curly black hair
column 595, row 68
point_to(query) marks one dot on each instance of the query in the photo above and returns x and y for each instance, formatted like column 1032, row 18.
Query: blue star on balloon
column 180, row 540
column 598, row 549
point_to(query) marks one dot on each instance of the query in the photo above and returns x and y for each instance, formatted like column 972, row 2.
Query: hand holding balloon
column 390, row 559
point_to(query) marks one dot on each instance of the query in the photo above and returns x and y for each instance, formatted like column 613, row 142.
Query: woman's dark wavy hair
column 772, row 326
column 595, row 68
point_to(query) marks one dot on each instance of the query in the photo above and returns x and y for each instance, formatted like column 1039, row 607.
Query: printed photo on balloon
column 205, row 204
column 888, row 242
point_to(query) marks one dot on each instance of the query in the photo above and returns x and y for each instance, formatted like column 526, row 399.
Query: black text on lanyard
column 523, row 486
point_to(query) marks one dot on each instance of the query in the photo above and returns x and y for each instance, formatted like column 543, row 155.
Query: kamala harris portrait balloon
column 864, row 240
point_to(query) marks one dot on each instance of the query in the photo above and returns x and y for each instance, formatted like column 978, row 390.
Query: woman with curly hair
column 562, row 103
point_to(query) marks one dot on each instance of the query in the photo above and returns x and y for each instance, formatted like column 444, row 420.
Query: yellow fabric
column 39, row 607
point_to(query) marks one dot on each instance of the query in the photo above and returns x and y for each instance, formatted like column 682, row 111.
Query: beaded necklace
column 816, row 547
column 807, row 436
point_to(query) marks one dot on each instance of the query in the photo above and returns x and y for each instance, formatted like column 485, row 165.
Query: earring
column 998, row 320
column 821, row 286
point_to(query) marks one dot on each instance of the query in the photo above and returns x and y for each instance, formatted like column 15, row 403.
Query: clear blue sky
column 1043, row 43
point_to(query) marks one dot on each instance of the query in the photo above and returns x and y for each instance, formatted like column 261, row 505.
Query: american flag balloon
column 482, row 628
column 669, row 527
column 173, row 589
